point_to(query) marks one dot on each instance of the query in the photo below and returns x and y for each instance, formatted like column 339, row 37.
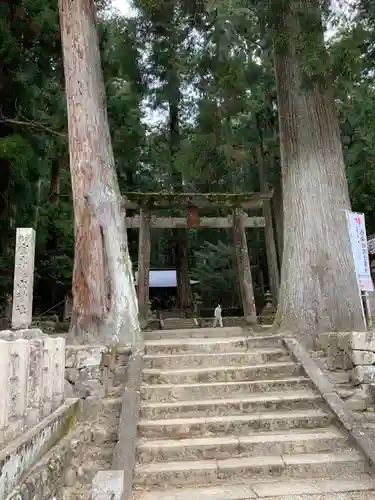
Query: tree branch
column 32, row 124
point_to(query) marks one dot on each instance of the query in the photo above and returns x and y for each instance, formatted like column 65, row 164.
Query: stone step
column 233, row 424
column 179, row 323
column 192, row 392
column 222, row 373
column 200, row 472
column 194, row 332
column 210, row 345
column 267, row 319
column 287, row 489
column 102, row 411
column 359, row 488
column 317, row 353
column 361, row 495
column 99, row 452
column 328, row 439
column 244, row 404
column 77, row 492
column 256, row 356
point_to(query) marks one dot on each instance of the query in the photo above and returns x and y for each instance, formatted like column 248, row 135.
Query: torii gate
column 238, row 220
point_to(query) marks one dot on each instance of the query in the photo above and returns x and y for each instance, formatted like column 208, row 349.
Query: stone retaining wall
column 22, row 454
column 46, row 480
column 95, row 370
column 353, row 352
column 97, row 375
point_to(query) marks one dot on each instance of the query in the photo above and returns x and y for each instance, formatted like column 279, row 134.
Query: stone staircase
column 178, row 323
column 233, row 417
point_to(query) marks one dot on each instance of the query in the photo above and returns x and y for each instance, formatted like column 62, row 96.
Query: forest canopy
column 192, row 106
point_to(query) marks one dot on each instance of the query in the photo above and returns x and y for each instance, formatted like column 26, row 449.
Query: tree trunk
column 104, row 300
column 38, row 192
column 272, row 262
column 318, row 290
column 54, row 186
column 184, row 292
column 180, row 236
column 277, row 208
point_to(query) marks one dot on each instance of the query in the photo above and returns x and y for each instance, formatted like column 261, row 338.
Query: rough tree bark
column 184, row 291
column 277, row 206
column 104, row 300
column 54, row 185
column 272, row 262
column 318, row 284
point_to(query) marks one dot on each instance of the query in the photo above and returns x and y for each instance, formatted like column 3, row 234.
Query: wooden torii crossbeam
column 246, row 201
column 183, row 222
column 239, row 221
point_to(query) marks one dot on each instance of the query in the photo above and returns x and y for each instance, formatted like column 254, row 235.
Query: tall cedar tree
column 318, row 289
column 104, row 301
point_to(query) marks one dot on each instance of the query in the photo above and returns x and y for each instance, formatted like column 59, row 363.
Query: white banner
column 358, row 239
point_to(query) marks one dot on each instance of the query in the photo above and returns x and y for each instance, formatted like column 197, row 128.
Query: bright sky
column 124, row 7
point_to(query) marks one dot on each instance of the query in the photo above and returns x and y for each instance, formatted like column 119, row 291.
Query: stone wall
column 353, row 353
column 371, row 299
column 32, row 381
column 84, row 437
column 22, row 454
column 95, row 370
column 46, row 480
column 362, row 354
column 116, row 482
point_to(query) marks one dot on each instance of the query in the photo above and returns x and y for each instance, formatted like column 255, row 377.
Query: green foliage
column 216, row 271
column 214, row 60
column 33, row 137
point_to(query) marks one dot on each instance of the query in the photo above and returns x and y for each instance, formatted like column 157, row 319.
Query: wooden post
column 273, row 267
column 272, row 263
column 244, row 270
column 143, row 286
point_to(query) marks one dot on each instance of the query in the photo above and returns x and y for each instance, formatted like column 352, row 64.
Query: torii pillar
column 144, row 248
column 244, row 270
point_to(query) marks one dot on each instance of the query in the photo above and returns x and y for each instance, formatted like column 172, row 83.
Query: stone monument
column 23, row 278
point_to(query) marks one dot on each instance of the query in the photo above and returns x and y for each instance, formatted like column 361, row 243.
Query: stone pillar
column 23, row 278
column 5, row 361
column 19, row 352
column 48, row 382
column 35, row 387
column 58, row 372
column 244, row 270
column 144, row 247
column 108, row 484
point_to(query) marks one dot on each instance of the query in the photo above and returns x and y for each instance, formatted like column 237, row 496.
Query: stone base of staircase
column 272, row 490
column 228, row 414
